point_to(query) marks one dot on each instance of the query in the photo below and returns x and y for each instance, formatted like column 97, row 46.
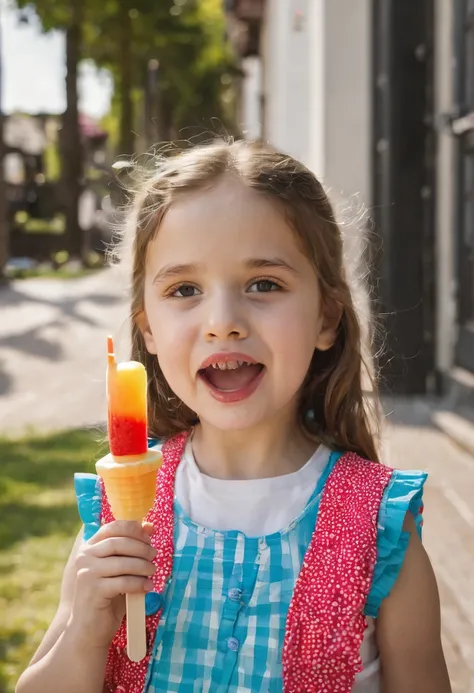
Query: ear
column 144, row 327
column 331, row 318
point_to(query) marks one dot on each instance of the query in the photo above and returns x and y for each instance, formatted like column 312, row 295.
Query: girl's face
column 232, row 307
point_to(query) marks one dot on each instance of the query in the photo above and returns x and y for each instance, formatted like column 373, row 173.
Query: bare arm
column 63, row 662
column 72, row 656
column 409, row 629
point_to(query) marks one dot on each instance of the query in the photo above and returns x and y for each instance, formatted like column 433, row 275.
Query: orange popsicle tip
column 110, row 351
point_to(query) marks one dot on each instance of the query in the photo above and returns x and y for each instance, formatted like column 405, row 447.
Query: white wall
column 348, row 97
column 445, row 236
column 315, row 156
column 251, row 116
column 318, row 88
column 286, row 80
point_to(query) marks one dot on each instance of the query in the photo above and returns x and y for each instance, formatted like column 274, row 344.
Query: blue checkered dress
column 223, row 623
column 225, row 608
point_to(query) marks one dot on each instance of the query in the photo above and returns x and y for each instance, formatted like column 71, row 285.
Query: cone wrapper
column 130, row 483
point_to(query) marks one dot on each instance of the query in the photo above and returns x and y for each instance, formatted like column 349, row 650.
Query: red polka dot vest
column 325, row 624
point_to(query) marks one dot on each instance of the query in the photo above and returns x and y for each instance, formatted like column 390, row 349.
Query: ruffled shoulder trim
column 404, row 493
column 89, row 502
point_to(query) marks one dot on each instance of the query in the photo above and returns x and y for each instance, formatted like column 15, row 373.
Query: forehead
column 230, row 220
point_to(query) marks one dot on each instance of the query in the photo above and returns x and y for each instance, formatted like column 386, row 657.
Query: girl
column 277, row 557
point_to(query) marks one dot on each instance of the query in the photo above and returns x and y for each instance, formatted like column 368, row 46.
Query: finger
column 115, row 566
column 123, row 546
column 121, row 528
column 125, row 584
column 149, row 528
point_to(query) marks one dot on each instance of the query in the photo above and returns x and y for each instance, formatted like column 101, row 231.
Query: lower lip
column 232, row 396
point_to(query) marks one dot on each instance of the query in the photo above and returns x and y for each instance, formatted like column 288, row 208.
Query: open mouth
column 232, row 380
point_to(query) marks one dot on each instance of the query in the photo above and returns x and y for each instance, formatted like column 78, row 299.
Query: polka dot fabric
column 122, row 675
column 326, row 624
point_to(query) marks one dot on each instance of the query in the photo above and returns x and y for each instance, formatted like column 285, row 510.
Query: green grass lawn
column 38, row 523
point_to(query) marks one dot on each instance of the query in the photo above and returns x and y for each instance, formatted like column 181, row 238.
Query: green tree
column 69, row 16
column 71, row 142
column 169, row 58
column 4, row 226
column 170, row 65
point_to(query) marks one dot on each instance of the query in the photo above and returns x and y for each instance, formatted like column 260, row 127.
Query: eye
column 184, row 291
column 264, row 286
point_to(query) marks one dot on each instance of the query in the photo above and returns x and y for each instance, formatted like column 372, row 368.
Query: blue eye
column 185, row 291
column 264, row 286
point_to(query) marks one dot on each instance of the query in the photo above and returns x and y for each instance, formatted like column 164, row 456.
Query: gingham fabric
column 223, row 625
column 225, row 608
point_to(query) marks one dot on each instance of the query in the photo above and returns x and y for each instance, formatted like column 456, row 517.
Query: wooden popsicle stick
column 136, row 628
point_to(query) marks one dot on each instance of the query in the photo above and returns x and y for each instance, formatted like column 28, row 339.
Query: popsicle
column 129, row 470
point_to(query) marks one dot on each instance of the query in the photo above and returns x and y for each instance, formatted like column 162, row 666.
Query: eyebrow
column 170, row 271
column 270, row 263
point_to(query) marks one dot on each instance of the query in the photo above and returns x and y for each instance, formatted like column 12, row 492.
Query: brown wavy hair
column 333, row 404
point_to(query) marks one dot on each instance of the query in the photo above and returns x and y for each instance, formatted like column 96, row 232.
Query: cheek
column 295, row 329
column 173, row 357
column 172, row 343
column 169, row 327
column 173, row 338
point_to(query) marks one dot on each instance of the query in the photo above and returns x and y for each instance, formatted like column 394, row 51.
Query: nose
column 225, row 318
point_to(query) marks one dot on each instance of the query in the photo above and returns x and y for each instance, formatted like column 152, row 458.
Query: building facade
column 377, row 98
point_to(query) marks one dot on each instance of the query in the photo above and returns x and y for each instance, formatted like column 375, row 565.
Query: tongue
column 232, row 379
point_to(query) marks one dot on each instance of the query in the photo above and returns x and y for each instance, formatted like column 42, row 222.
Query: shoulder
column 392, row 500
column 398, row 495
column 359, row 478
column 402, row 490
column 400, row 515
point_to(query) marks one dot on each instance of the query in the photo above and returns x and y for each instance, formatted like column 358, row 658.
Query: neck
column 271, row 449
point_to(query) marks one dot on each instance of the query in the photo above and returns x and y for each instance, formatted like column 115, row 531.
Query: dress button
column 233, row 644
column 235, row 594
column 153, row 603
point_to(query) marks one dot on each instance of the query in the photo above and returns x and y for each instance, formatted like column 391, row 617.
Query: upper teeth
column 229, row 365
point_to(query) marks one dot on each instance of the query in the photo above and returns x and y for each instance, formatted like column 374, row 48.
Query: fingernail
column 148, row 528
column 149, row 586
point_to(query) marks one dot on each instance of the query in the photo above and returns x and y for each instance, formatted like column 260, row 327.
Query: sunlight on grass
column 38, row 524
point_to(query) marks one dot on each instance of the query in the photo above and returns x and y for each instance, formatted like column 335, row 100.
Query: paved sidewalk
column 413, row 442
column 52, row 350
column 52, row 367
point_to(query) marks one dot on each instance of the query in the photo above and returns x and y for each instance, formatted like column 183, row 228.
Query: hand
column 115, row 561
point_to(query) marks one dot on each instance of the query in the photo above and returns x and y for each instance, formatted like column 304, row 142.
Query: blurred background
column 375, row 96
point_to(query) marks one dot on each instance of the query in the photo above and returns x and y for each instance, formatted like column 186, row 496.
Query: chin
column 235, row 417
column 232, row 425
